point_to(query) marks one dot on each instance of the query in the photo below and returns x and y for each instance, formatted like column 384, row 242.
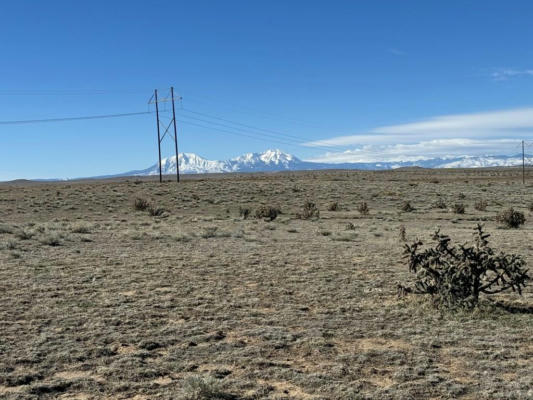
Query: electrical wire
column 236, row 128
column 234, row 133
column 253, row 135
column 272, row 132
column 279, row 138
column 66, row 92
column 247, row 110
column 34, row 121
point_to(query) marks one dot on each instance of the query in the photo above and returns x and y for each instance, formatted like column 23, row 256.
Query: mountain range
column 277, row 160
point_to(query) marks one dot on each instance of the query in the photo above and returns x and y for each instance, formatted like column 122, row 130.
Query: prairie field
column 189, row 295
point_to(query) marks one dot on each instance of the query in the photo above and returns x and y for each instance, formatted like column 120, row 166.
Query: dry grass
column 205, row 304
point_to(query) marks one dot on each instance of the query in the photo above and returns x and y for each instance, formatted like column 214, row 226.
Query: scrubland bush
column 155, row 211
column 440, row 203
column 11, row 244
column 458, row 208
column 267, row 212
column 363, row 208
column 402, row 234
column 481, row 205
column 141, row 204
column 5, row 229
column 209, row 232
column 81, row 228
column 51, row 239
column 333, row 206
column 309, row 211
column 244, row 212
column 455, row 276
column 198, row 388
column 511, row 218
column 25, row 234
column 407, row 207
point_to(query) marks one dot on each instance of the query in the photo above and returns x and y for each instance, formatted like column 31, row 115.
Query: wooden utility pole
column 158, row 135
column 175, row 135
column 523, row 164
column 155, row 99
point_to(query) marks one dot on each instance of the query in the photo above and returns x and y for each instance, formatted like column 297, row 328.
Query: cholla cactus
column 456, row 275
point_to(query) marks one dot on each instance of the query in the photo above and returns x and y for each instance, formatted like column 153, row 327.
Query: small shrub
column 363, row 208
column 462, row 196
column 407, row 207
column 141, row 204
column 350, row 226
column 402, row 234
column 5, row 229
column 267, row 212
column 52, row 239
column 511, row 218
column 455, row 276
column 333, row 206
column 155, row 211
column 197, row 388
column 209, row 232
column 458, row 208
column 25, row 234
column 481, row 205
column 11, row 244
column 309, row 210
column 440, row 203
column 345, row 237
column 81, row 228
column 244, row 212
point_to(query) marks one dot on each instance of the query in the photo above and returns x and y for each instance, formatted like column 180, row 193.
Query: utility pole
column 523, row 164
column 175, row 135
column 155, row 99
column 158, row 134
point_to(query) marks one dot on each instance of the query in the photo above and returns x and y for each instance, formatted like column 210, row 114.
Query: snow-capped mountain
column 277, row 160
column 189, row 163
column 270, row 160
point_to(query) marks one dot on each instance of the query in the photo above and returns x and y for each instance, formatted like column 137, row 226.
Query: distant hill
column 277, row 160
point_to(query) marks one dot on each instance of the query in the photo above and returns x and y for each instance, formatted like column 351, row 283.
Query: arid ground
column 99, row 300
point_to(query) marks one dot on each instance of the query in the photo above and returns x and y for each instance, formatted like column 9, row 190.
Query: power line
column 234, row 128
column 276, row 133
column 35, row 121
column 237, row 130
column 253, row 135
column 65, row 92
column 247, row 110
column 234, row 133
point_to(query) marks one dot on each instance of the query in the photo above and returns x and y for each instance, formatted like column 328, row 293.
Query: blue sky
column 389, row 79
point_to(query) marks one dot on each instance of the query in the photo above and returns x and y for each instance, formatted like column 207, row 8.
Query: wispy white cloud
column 496, row 132
column 439, row 148
column 507, row 73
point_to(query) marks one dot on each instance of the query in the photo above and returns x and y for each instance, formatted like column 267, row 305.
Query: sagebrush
column 511, row 218
column 309, row 210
